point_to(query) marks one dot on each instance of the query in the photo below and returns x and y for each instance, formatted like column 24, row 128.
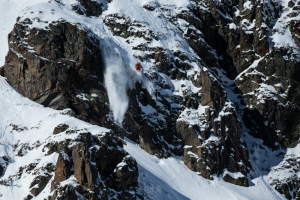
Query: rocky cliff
column 228, row 74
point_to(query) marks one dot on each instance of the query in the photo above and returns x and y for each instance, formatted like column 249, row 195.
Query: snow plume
column 119, row 76
column 116, row 81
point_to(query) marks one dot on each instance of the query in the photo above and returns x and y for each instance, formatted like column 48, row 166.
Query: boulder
column 62, row 170
column 60, row 128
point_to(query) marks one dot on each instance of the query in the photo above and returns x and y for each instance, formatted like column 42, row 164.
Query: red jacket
column 138, row 66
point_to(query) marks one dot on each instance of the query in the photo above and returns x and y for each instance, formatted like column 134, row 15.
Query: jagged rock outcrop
column 63, row 169
column 270, row 74
column 94, row 167
column 216, row 135
column 39, row 183
column 152, row 125
column 60, row 128
column 255, row 36
column 89, row 7
column 4, row 161
column 60, row 67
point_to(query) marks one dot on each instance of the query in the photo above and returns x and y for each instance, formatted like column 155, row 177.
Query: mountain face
column 218, row 90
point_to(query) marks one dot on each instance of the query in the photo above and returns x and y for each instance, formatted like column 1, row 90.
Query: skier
column 138, row 66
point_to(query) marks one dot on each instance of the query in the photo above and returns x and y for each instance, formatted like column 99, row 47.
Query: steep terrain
column 218, row 90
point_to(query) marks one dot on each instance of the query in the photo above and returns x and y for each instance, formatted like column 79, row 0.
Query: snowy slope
column 25, row 122
column 171, row 179
column 158, row 178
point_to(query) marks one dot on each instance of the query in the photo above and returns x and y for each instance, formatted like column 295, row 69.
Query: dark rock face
column 153, row 131
column 126, row 173
column 97, row 166
column 62, row 170
column 89, row 7
column 60, row 68
column 245, row 44
column 67, row 192
column 213, row 94
column 39, row 183
column 207, row 147
column 276, row 115
column 41, row 175
column 243, row 181
column 266, row 74
column 4, row 161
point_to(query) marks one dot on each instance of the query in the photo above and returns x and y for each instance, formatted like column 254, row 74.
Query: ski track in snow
column 158, row 178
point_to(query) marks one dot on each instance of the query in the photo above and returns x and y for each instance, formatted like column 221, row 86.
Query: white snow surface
column 171, row 179
column 158, row 178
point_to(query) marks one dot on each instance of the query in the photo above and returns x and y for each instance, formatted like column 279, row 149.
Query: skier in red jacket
column 138, row 66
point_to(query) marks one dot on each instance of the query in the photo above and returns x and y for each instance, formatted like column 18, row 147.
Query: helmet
column 138, row 63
